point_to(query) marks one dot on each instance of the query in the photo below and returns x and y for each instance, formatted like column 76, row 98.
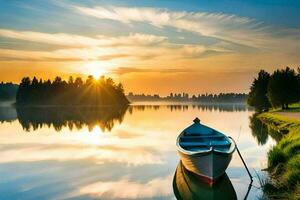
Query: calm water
column 95, row 153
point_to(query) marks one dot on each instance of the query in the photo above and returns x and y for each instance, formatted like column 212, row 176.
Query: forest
column 278, row 89
column 72, row 92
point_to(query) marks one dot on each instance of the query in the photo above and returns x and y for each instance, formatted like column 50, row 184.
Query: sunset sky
column 150, row 46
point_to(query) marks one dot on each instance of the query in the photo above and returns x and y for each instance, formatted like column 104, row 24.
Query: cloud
column 154, row 16
column 112, row 56
column 48, row 38
column 135, row 39
column 231, row 34
column 33, row 152
column 127, row 70
column 218, row 25
column 130, row 49
column 72, row 40
column 72, row 48
column 157, row 187
column 223, row 27
column 63, row 55
column 55, row 56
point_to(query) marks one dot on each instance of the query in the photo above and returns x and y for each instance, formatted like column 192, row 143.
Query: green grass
column 284, row 157
column 295, row 107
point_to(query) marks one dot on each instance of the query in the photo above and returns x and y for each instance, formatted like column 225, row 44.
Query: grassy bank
column 284, row 157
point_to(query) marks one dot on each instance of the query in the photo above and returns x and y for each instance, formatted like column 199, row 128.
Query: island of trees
column 72, row 92
column 185, row 97
column 278, row 89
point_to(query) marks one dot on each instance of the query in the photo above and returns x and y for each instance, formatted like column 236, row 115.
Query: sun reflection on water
column 137, row 154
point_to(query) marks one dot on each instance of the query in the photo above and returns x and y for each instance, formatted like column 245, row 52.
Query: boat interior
column 202, row 142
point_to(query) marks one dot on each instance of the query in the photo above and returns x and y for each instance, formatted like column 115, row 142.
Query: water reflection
column 188, row 186
column 135, row 160
column 258, row 129
column 201, row 107
column 33, row 118
column 7, row 114
column 261, row 131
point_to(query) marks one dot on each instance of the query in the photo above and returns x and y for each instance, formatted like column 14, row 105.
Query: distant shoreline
column 162, row 102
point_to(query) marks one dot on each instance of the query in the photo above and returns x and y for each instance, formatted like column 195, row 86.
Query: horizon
column 150, row 47
column 140, row 94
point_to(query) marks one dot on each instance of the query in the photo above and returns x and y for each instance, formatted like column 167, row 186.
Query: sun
column 96, row 69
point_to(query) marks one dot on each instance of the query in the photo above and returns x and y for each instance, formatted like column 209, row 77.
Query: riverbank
column 284, row 157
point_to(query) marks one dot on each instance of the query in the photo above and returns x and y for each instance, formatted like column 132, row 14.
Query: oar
column 248, row 191
column 251, row 178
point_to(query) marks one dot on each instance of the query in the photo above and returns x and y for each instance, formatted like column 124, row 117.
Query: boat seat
column 199, row 134
column 214, row 133
column 220, row 148
column 205, row 144
column 205, row 139
column 194, row 144
column 197, row 148
column 200, row 138
column 203, row 136
column 220, row 143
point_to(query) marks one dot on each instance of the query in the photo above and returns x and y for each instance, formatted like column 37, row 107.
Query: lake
column 128, row 153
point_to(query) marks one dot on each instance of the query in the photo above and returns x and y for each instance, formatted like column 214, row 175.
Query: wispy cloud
column 163, row 52
column 71, row 47
column 72, row 40
column 127, row 70
column 224, row 27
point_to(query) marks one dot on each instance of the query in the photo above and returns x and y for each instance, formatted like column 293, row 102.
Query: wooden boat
column 187, row 185
column 205, row 151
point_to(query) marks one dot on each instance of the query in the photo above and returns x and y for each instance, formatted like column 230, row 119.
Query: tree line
column 221, row 97
column 72, row 92
column 202, row 98
column 278, row 89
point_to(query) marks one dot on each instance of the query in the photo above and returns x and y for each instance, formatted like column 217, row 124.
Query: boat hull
column 210, row 165
column 186, row 185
